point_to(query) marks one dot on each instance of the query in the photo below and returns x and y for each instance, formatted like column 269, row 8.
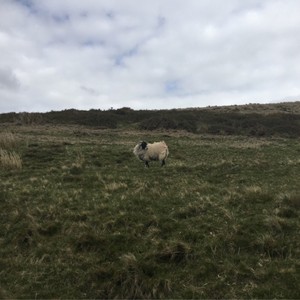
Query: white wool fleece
column 156, row 151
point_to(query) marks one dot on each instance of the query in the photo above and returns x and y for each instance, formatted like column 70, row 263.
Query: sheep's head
column 140, row 149
column 143, row 145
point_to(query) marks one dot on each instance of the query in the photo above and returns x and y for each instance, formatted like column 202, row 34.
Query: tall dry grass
column 8, row 140
column 9, row 158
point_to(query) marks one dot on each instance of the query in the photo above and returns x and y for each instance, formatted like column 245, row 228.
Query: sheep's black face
column 143, row 145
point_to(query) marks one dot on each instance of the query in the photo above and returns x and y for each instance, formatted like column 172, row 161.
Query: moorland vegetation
column 81, row 217
column 251, row 120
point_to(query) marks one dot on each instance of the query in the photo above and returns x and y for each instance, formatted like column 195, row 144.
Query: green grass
column 84, row 218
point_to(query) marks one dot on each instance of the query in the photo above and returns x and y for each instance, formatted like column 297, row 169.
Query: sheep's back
column 158, row 151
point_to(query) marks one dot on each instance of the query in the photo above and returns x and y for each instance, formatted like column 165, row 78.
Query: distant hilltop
column 278, row 119
column 282, row 107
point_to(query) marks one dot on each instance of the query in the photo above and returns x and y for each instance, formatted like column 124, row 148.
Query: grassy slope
column 85, row 219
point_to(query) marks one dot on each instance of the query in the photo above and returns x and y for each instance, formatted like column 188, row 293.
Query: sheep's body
column 147, row 152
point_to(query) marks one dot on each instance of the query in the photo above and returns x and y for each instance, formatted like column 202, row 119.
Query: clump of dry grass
column 8, row 140
column 113, row 186
column 288, row 205
column 134, row 281
column 292, row 200
column 8, row 157
column 10, row 160
column 175, row 252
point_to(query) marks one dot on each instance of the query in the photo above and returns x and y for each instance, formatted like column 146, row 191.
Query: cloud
column 8, row 80
column 156, row 54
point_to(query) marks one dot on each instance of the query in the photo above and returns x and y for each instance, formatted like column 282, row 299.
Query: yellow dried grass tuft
column 10, row 160
column 8, row 140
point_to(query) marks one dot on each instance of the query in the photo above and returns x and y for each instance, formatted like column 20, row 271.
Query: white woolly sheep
column 147, row 152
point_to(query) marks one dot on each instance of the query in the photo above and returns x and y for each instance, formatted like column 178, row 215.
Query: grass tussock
column 8, row 140
column 9, row 144
column 10, row 160
column 291, row 200
column 134, row 281
column 176, row 252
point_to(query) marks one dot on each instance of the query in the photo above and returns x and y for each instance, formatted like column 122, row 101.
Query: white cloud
column 8, row 80
column 156, row 54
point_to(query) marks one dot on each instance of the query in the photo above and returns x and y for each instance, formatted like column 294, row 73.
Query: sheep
column 147, row 152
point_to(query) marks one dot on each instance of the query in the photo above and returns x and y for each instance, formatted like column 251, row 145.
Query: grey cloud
column 8, row 79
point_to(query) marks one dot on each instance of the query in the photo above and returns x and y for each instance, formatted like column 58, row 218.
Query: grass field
column 81, row 217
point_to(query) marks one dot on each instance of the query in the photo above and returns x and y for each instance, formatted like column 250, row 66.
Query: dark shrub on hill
column 168, row 122
column 158, row 123
column 22, row 118
column 8, row 117
column 123, row 110
column 282, row 124
column 252, row 124
column 97, row 118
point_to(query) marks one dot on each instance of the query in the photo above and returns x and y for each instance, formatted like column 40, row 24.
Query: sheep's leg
column 146, row 164
column 163, row 163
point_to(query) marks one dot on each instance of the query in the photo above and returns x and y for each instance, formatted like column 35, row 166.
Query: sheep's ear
column 144, row 145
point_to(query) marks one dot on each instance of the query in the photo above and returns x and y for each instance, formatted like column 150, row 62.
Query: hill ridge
column 278, row 119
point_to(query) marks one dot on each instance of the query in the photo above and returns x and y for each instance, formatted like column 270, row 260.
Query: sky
column 158, row 54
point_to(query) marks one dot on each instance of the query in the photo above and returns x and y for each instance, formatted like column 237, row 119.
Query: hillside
column 82, row 218
column 281, row 119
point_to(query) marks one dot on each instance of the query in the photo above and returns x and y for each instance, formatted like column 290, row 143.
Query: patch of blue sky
column 175, row 87
column 120, row 59
column 60, row 18
column 161, row 21
column 28, row 4
column 33, row 9
column 172, row 86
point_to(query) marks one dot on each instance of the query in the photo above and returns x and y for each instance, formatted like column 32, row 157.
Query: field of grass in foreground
column 83, row 218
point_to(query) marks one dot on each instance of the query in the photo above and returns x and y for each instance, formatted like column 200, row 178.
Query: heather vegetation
column 270, row 120
column 83, row 218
